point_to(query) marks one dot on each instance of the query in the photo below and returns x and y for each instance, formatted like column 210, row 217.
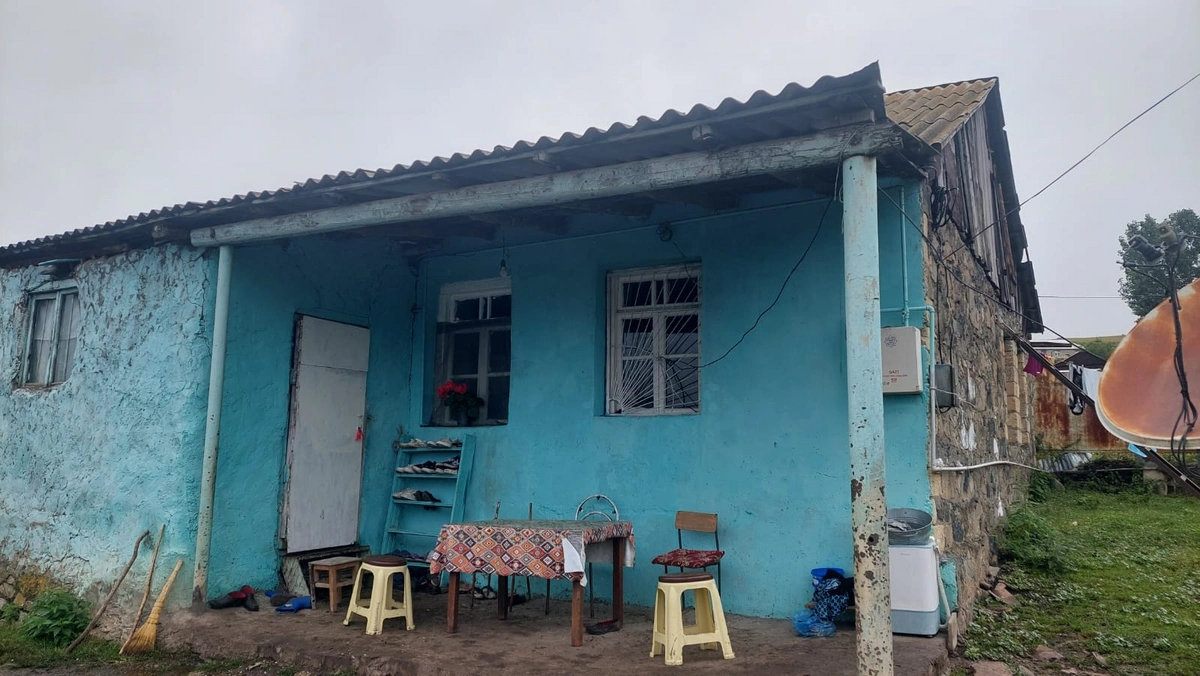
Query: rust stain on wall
column 1058, row 428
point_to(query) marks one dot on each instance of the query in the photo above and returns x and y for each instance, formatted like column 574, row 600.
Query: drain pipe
column 212, row 427
column 904, row 262
column 864, row 399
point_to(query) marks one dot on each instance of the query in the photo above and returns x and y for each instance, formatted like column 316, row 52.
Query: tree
column 1143, row 289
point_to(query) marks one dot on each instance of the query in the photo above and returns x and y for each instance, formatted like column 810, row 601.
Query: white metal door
column 329, row 393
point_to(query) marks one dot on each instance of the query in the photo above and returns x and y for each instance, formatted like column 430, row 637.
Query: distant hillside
column 1101, row 346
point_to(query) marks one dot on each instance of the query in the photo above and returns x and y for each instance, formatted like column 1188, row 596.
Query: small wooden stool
column 382, row 604
column 670, row 636
column 334, row 581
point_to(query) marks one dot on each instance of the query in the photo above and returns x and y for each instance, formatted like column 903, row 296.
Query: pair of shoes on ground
column 294, row 604
column 241, row 598
column 603, row 627
column 428, row 585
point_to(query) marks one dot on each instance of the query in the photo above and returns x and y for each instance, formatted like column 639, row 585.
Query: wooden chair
column 695, row 522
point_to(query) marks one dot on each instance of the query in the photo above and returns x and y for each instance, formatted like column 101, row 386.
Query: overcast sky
column 112, row 108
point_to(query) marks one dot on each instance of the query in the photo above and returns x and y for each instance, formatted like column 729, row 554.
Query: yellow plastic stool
column 670, row 636
column 382, row 604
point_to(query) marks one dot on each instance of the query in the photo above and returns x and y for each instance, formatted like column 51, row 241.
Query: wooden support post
column 576, row 613
column 502, row 597
column 618, row 581
column 452, row 605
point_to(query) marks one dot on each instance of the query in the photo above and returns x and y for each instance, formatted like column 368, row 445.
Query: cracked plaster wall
column 361, row 281
column 87, row 465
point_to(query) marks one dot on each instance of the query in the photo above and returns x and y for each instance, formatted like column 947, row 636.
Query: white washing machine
column 915, row 602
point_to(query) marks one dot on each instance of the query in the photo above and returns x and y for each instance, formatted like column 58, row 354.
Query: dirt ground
column 528, row 643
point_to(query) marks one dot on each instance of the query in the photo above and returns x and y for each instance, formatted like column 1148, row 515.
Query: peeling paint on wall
column 115, row 450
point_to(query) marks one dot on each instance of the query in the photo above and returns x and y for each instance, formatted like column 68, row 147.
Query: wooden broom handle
column 149, row 582
column 113, row 592
column 162, row 595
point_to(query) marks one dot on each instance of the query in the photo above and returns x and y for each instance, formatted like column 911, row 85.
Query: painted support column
column 212, row 427
column 864, row 398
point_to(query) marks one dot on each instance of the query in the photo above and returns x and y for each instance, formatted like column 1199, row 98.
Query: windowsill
column 30, row 387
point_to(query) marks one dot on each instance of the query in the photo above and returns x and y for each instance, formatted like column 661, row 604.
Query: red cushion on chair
column 689, row 558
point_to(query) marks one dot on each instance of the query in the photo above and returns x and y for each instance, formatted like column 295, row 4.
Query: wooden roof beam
column 631, row 178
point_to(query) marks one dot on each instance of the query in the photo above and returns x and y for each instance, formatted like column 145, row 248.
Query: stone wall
column 991, row 420
column 20, row 585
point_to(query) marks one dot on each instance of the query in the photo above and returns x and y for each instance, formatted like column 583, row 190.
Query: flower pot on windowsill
column 462, row 419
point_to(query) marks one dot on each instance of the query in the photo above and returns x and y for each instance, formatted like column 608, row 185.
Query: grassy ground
column 18, row 652
column 1122, row 581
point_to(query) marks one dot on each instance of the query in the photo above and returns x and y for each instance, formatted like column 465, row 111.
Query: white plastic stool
column 382, row 604
column 670, row 636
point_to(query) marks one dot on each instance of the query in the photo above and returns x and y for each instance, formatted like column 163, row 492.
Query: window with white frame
column 654, row 341
column 52, row 336
column 475, row 346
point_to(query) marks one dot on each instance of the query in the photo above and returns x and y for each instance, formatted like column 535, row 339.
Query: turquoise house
column 673, row 314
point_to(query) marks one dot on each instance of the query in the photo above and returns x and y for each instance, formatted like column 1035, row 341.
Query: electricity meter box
column 902, row 360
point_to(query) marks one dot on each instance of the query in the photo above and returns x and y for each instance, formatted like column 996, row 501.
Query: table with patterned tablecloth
column 550, row 549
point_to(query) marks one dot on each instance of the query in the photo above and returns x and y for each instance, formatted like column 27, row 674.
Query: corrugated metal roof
column 933, row 114
column 746, row 121
column 1066, row 462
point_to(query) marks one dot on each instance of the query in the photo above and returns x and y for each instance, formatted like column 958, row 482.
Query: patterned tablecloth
column 521, row 547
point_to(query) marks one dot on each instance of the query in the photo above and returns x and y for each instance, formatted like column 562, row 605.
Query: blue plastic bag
column 808, row 623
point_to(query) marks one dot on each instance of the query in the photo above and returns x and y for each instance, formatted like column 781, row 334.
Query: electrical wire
column 941, row 262
column 1073, row 166
column 1188, row 415
column 1187, row 409
column 782, row 287
column 1187, row 418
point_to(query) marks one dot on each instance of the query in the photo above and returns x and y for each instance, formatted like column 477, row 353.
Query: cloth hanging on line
column 1074, row 401
column 1034, row 366
column 1091, row 382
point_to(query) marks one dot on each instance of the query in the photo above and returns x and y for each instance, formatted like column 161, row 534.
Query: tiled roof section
column 933, row 114
column 864, row 87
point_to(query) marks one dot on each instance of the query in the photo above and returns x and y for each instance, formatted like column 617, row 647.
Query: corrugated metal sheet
column 1056, row 427
column 934, row 114
column 1065, row 462
column 760, row 117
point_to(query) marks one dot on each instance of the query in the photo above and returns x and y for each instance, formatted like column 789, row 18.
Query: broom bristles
column 143, row 639
column 146, row 636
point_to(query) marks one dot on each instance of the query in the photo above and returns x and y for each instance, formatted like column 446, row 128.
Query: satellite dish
column 1138, row 398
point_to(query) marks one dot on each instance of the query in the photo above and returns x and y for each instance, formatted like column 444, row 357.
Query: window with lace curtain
column 654, row 341
column 52, row 337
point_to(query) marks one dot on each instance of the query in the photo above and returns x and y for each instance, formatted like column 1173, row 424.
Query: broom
column 113, row 592
column 146, row 592
column 143, row 639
